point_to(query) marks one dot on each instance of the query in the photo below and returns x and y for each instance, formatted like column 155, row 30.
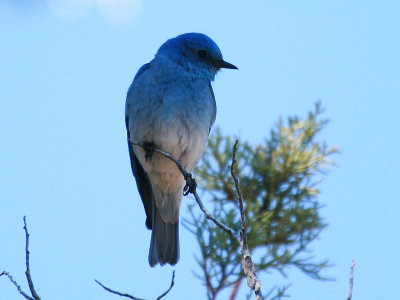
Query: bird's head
column 196, row 52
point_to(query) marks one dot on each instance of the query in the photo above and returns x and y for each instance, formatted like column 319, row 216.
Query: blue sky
column 65, row 67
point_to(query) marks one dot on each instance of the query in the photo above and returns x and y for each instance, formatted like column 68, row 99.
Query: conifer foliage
column 279, row 181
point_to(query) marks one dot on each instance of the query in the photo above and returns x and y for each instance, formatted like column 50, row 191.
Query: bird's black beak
column 223, row 64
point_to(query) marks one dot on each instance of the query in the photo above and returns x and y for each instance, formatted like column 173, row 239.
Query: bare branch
column 115, row 292
column 132, row 297
column 188, row 177
column 243, row 235
column 28, row 271
column 248, row 266
column 351, row 280
column 172, row 284
column 35, row 296
column 16, row 285
column 216, row 221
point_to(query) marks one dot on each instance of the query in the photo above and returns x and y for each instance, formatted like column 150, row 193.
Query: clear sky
column 65, row 67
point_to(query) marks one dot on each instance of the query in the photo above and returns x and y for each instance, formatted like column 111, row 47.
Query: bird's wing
column 142, row 180
column 213, row 116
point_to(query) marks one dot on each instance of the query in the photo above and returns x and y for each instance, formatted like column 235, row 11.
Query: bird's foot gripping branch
column 190, row 186
column 149, row 149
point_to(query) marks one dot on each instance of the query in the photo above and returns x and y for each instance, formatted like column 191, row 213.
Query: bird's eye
column 202, row 53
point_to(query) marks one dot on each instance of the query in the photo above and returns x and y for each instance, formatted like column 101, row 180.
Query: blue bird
column 170, row 106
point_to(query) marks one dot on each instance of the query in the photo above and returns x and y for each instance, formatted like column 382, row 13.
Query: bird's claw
column 190, row 186
column 149, row 149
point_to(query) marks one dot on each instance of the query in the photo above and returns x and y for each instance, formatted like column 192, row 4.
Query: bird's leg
column 149, row 149
column 190, row 186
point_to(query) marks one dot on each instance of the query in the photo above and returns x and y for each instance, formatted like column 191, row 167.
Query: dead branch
column 116, row 292
column 170, row 287
column 351, row 280
column 28, row 271
column 132, row 297
column 35, row 296
column 16, row 285
column 248, row 266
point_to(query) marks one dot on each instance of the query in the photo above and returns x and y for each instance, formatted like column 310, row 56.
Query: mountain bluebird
column 170, row 106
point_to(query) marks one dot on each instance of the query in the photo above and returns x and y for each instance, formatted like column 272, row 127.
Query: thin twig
column 117, row 293
column 243, row 235
column 187, row 176
column 28, row 271
column 35, row 296
column 16, row 285
column 351, row 280
column 135, row 298
column 248, row 266
column 172, row 284
column 227, row 229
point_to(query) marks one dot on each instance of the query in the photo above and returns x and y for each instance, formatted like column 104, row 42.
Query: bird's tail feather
column 164, row 247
